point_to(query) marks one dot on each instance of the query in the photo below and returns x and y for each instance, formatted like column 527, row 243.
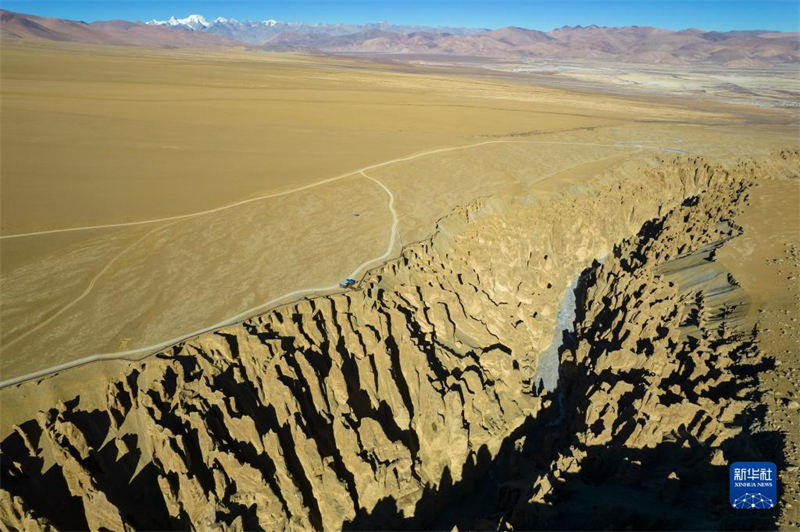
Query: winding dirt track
column 230, row 321
column 322, row 182
column 151, row 349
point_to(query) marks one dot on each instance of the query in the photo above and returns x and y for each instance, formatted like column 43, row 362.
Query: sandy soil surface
column 766, row 261
column 771, row 87
column 174, row 126
column 155, row 143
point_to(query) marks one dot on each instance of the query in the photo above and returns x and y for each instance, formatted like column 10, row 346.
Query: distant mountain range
column 627, row 44
column 116, row 32
column 263, row 31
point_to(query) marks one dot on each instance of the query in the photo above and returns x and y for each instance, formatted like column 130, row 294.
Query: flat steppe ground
column 232, row 180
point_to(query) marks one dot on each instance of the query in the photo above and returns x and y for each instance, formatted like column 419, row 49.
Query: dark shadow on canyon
column 673, row 485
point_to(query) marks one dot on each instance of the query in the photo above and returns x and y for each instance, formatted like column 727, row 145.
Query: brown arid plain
column 161, row 205
column 104, row 136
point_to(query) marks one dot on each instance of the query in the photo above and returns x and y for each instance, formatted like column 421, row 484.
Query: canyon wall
column 381, row 405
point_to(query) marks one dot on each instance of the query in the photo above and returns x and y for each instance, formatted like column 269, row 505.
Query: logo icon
column 753, row 485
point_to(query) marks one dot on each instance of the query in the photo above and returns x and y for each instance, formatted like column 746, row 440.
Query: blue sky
column 537, row 14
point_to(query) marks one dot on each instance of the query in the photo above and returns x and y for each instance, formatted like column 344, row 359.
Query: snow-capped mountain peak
column 194, row 22
column 261, row 31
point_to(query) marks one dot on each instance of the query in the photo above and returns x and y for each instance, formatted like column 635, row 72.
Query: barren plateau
column 572, row 304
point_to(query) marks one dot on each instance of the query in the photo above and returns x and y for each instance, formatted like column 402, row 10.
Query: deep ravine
column 392, row 405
